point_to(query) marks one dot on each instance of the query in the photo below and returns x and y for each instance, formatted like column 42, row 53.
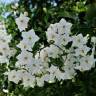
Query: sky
column 7, row 1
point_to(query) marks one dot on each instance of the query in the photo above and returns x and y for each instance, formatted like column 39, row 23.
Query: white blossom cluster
column 35, row 70
column 5, row 50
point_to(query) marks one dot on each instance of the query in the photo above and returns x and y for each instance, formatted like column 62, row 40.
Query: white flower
column 24, row 45
column 4, row 59
column 69, row 65
column 14, row 76
column 4, row 37
column 30, row 37
column 35, row 69
column 28, row 80
column 22, row 22
column 4, row 49
column 52, row 71
column 50, row 78
column 64, row 27
column 82, row 50
column 25, row 58
column 69, row 72
column 79, row 40
column 44, row 55
column 63, row 40
column 40, row 81
column 59, row 75
column 53, row 51
column 58, row 33
column 86, row 63
column 51, row 33
column 5, row 52
column 12, row 51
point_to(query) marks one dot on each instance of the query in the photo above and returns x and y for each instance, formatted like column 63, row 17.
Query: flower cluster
column 5, row 50
column 35, row 70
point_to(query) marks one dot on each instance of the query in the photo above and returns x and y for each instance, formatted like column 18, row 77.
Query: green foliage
column 82, row 13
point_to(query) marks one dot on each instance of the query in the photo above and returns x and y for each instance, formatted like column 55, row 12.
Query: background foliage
column 82, row 13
